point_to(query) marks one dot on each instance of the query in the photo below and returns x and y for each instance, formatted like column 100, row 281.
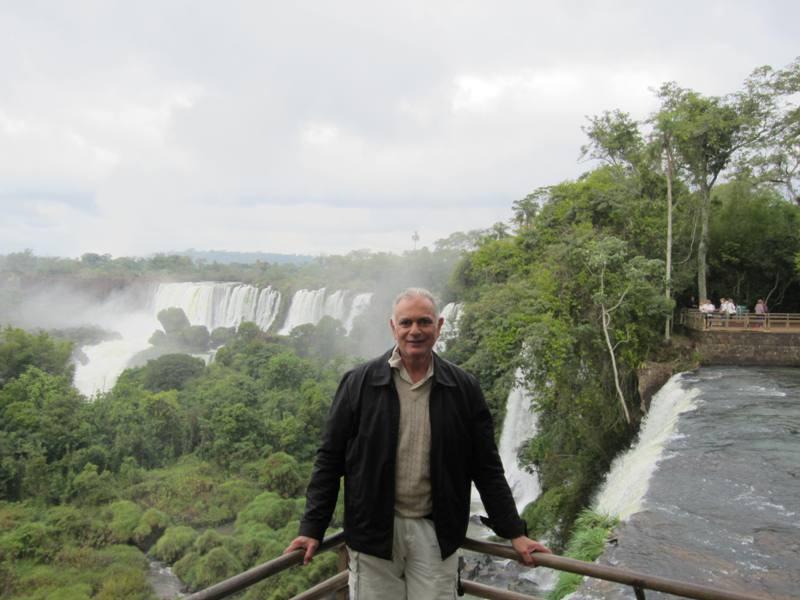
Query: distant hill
column 228, row 257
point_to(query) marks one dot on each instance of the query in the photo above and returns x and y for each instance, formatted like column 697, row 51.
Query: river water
column 722, row 507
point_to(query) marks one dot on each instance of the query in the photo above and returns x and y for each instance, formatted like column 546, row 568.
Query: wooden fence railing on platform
column 741, row 321
column 338, row 583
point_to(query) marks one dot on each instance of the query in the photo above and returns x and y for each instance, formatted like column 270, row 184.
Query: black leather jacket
column 360, row 442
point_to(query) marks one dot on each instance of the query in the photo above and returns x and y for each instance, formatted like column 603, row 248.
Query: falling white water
column 309, row 306
column 451, row 313
column 214, row 304
column 519, row 426
column 627, row 481
column 359, row 305
column 335, row 305
column 106, row 360
column 207, row 303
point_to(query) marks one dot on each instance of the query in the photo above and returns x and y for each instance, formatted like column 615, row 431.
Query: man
column 409, row 432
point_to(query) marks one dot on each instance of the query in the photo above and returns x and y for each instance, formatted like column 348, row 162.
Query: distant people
column 707, row 308
column 761, row 311
column 727, row 307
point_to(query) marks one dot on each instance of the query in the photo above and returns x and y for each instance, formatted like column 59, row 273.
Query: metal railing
column 638, row 581
column 742, row 321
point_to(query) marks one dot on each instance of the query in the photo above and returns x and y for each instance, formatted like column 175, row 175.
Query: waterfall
column 519, row 426
column 106, row 360
column 216, row 304
column 309, row 306
column 334, row 305
column 451, row 314
column 207, row 303
column 628, row 479
column 358, row 306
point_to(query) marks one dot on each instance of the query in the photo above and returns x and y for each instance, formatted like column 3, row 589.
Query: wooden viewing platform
column 741, row 321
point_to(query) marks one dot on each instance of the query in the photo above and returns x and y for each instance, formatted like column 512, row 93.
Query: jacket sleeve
column 488, row 473
column 323, row 488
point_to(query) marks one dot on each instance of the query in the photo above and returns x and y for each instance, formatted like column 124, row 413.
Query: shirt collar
column 396, row 363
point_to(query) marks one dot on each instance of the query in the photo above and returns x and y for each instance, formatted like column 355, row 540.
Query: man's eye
column 405, row 322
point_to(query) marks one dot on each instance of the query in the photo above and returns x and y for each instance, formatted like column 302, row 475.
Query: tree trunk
column 606, row 319
column 668, row 274
column 702, row 247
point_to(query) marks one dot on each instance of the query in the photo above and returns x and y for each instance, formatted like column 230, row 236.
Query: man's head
column 415, row 323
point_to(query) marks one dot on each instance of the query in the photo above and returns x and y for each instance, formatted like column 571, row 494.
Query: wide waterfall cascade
column 451, row 313
column 214, row 304
column 309, row 306
column 627, row 481
column 723, row 504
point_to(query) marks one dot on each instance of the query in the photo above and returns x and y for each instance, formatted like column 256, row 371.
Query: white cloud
column 137, row 127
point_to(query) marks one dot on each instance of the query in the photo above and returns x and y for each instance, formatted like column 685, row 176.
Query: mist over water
column 207, row 303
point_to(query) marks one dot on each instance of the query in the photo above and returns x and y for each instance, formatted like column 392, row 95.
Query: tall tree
column 706, row 131
column 663, row 139
column 770, row 96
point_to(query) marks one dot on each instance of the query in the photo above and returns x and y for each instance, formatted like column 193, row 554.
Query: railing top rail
column 262, row 571
column 632, row 578
column 552, row 561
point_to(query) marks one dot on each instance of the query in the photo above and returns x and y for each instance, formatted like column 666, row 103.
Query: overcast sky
column 322, row 127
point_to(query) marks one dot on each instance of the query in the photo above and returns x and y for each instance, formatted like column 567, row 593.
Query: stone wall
column 747, row 348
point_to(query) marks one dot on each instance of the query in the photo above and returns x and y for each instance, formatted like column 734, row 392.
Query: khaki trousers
column 416, row 571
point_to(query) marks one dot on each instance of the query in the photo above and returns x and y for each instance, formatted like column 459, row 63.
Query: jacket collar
column 381, row 372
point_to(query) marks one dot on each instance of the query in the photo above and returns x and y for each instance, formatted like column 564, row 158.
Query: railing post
column 343, row 566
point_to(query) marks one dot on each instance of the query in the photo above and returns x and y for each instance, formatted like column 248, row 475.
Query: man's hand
column 310, row 545
column 526, row 546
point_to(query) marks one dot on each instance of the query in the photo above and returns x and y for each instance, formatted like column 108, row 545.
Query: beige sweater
column 413, row 470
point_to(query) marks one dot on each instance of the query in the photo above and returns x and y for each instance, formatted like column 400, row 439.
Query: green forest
column 204, row 466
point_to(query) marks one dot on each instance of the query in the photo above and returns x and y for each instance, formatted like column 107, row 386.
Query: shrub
column 184, row 568
column 270, row 509
column 215, row 566
column 89, row 488
column 207, row 541
column 282, row 475
column 129, row 584
column 174, row 543
column 29, row 540
column 125, row 516
column 586, row 543
column 150, row 527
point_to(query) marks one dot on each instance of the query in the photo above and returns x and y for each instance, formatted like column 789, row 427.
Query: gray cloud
column 329, row 126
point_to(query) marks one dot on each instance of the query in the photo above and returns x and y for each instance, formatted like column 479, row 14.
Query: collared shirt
column 413, row 474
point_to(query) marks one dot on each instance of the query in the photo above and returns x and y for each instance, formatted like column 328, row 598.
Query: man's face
column 415, row 327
